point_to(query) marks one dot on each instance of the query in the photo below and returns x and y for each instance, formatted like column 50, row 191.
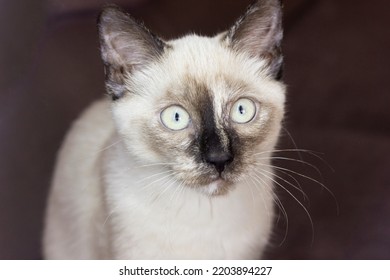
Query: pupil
column 241, row 110
column 177, row 117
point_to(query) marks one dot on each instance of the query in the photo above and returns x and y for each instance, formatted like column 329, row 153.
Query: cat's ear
column 126, row 46
column 259, row 33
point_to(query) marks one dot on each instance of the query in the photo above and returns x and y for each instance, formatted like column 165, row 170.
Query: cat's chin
column 217, row 187
column 211, row 184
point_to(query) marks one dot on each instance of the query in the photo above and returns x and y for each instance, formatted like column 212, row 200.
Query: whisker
column 180, row 190
column 293, row 141
column 109, row 215
column 156, row 164
column 94, row 153
column 253, row 195
column 109, row 146
column 294, row 179
column 265, row 187
column 158, row 180
column 310, row 152
column 285, row 173
column 278, row 202
column 308, row 178
column 294, row 160
column 165, row 186
column 305, row 197
column 297, row 200
column 177, row 190
column 314, row 153
column 154, row 175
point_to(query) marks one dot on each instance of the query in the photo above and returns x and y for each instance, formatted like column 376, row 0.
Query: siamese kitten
column 176, row 165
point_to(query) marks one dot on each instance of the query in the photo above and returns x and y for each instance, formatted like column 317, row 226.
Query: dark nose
column 219, row 159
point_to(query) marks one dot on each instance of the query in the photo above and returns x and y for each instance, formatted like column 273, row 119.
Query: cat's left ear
column 126, row 46
column 259, row 33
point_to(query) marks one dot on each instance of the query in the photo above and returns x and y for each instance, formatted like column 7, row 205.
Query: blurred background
column 337, row 72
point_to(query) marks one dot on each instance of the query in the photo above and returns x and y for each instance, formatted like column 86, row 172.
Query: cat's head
column 206, row 108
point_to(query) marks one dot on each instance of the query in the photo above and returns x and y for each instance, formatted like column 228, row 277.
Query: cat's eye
column 175, row 118
column 243, row 111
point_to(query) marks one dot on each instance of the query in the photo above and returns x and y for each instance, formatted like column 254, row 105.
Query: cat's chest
column 189, row 226
column 152, row 219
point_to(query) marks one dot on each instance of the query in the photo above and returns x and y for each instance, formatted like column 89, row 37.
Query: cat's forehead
column 194, row 66
column 191, row 91
column 201, row 68
column 204, row 58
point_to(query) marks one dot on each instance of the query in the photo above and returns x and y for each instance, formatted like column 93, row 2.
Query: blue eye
column 175, row 118
column 243, row 111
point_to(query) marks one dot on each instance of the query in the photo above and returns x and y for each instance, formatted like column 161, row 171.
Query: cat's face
column 207, row 109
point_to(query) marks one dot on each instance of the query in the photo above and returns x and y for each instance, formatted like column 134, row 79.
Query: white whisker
column 94, row 153
column 158, row 180
column 293, row 141
column 308, row 178
column 305, row 197
column 262, row 197
column 294, row 160
column 297, row 200
column 278, row 202
column 167, row 186
column 310, row 152
column 156, row 164
column 253, row 195
column 109, row 146
column 154, row 175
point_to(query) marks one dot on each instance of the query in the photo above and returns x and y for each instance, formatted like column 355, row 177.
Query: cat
column 175, row 164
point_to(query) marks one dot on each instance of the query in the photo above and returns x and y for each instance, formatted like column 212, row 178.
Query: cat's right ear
column 126, row 46
column 259, row 33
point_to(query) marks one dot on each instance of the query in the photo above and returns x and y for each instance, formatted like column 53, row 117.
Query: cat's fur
column 127, row 187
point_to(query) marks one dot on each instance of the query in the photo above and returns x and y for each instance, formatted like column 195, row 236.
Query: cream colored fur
column 113, row 195
column 99, row 209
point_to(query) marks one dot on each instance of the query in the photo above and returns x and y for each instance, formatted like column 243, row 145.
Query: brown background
column 337, row 71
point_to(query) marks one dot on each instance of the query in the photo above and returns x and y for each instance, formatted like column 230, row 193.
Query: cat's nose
column 219, row 159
